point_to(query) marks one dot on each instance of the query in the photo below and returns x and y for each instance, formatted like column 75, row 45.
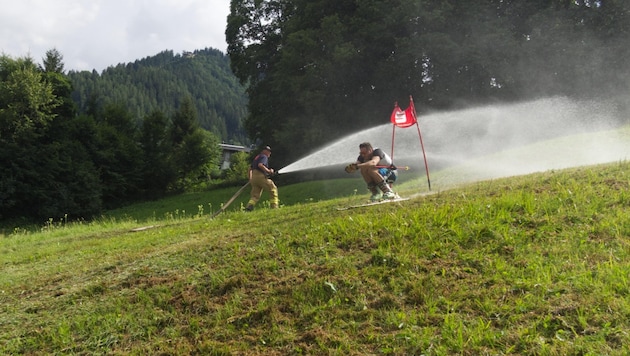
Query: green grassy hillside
column 534, row 265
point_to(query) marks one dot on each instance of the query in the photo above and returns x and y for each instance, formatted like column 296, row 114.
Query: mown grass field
column 529, row 265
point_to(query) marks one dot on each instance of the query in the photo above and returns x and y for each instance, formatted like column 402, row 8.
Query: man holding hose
column 259, row 177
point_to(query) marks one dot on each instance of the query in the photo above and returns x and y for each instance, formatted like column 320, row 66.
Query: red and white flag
column 404, row 118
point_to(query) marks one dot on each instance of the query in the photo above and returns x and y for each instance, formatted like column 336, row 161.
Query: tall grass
column 530, row 265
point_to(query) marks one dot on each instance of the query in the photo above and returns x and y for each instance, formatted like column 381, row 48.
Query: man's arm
column 373, row 162
column 263, row 168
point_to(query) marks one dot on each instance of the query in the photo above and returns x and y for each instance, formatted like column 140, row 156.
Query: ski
column 385, row 201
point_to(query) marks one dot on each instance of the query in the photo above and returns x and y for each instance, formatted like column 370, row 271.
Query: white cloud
column 95, row 34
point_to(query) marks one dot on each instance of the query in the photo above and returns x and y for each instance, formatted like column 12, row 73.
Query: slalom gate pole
column 426, row 166
column 229, row 201
column 393, row 137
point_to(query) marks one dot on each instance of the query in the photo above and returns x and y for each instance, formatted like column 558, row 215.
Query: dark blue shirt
column 261, row 158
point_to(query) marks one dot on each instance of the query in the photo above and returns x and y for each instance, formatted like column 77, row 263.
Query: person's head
column 365, row 149
column 267, row 150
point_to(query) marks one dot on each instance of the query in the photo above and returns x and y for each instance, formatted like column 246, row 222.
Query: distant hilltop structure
column 228, row 150
column 187, row 54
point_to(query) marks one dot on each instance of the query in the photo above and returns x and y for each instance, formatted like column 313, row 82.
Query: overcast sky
column 96, row 34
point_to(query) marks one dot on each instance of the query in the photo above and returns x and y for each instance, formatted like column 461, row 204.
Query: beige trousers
column 259, row 183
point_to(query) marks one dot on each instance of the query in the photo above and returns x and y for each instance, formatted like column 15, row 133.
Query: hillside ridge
column 160, row 82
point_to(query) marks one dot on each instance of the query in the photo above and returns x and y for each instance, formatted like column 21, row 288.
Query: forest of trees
column 160, row 82
column 56, row 162
column 317, row 70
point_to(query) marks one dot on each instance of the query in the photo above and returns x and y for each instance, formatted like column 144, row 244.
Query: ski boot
column 376, row 195
column 387, row 191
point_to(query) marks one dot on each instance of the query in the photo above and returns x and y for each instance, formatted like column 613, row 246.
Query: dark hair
column 366, row 145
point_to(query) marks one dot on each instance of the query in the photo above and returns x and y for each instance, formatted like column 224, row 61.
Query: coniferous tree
column 77, row 191
column 119, row 156
column 158, row 170
column 195, row 151
column 184, row 121
column 53, row 61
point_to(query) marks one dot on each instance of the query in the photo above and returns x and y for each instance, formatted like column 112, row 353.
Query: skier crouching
column 377, row 169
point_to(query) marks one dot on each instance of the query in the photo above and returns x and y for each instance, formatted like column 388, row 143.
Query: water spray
column 493, row 141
